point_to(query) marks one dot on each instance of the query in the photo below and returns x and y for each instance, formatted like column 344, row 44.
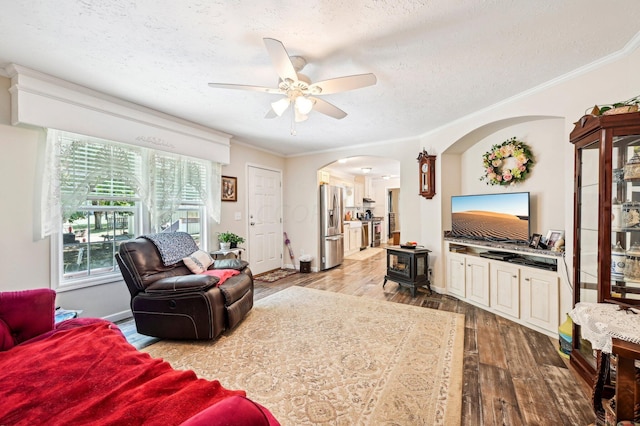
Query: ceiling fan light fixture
column 299, row 117
column 279, row 107
column 304, row 105
column 366, row 170
column 298, row 89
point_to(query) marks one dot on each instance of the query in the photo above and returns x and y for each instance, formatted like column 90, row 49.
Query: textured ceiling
column 435, row 60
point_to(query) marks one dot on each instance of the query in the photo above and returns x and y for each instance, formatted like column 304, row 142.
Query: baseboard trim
column 119, row 316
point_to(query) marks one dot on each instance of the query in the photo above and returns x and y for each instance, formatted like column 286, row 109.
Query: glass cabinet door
column 588, row 191
column 606, row 219
column 625, row 219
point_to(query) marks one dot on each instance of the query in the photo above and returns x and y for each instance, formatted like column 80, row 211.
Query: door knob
column 252, row 223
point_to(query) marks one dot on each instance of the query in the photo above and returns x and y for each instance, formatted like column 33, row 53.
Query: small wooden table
column 237, row 252
column 612, row 330
column 408, row 267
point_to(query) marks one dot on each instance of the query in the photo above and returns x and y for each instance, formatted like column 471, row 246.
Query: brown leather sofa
column 173, row 303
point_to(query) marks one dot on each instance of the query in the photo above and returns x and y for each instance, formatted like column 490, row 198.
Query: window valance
column 44, row 101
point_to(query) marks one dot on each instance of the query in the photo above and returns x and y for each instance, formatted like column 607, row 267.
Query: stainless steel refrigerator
column 331, row 226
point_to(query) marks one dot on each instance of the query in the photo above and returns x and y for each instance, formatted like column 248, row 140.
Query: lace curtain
column 75, row 165
column 177, row 180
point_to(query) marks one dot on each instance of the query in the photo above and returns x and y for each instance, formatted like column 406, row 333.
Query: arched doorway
column 367, row 182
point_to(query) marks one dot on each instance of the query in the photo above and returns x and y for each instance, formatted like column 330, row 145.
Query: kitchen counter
column 372, row 219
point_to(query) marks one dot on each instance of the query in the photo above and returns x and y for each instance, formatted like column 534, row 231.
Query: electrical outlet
column 238, row 216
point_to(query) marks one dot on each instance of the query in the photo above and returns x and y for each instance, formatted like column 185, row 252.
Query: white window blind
column 79, row 167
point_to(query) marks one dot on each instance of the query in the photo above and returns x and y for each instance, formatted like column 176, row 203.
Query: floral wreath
column 507, row 163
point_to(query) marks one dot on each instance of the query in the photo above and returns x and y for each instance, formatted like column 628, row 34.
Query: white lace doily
column 602, row 321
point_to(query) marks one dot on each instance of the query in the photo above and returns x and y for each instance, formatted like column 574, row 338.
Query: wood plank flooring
column 512, row 375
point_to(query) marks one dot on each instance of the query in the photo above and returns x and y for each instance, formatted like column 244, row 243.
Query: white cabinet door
column 540, row 298
column 348, row 196
column 356, row 239
column 346, row 238
column 477, row 280
column 505, row 288
column 353, row 235
column 358, row 194
column 456, row 274
column 368, row 188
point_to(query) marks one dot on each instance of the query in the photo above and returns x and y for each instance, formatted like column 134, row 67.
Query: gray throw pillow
column 230, row 264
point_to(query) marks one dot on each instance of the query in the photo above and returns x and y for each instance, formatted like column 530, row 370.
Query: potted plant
column 229, row 240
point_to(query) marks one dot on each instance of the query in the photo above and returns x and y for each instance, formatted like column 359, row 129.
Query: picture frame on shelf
column 553, row 235
column 535, row 240
column 229, row 190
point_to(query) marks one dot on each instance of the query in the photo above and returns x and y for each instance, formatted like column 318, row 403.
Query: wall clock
column 427, row 173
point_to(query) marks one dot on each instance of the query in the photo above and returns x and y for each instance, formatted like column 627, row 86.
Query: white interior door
column 265, row 219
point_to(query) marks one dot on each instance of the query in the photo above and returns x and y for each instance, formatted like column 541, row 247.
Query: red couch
column 83, row 371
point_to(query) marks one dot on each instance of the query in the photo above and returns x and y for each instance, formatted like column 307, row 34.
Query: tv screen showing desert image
column 496, row 217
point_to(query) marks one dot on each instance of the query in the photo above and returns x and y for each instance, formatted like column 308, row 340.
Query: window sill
column 76, row 284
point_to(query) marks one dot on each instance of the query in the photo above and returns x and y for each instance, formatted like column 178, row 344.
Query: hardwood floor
column 512, row 375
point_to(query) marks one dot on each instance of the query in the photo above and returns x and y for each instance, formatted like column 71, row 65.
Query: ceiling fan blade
column 326, row 108
column 342, row 84
column 245, row 87
column 280, row 59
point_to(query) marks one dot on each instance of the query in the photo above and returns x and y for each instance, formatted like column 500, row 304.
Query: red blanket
column 222, row 274
column 90, row 374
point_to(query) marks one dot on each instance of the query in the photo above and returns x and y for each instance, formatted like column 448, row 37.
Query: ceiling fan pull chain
column 293, row 122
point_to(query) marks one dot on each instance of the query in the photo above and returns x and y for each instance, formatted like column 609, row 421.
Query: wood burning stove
column 409, row 267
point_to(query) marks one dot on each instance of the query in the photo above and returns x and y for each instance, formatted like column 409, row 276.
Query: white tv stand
column 511, row 280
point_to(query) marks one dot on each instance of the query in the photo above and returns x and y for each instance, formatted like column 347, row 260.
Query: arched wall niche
column 545, row 134
column 482, row 132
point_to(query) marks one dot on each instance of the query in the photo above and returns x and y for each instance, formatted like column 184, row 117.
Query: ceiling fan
column 298, row 89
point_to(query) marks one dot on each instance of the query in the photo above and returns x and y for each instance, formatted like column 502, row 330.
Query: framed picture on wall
column 229, row 188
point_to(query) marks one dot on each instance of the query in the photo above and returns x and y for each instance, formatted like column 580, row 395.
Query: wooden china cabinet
column 606, row 220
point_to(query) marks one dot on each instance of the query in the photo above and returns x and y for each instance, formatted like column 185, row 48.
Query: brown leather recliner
column 173, row 303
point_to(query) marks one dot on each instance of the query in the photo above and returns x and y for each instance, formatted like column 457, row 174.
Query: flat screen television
column 491, row 217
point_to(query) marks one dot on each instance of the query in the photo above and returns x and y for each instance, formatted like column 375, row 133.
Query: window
column 104, row 197
column 93, row 236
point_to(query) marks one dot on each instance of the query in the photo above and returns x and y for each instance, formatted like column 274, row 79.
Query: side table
column 65, row 314
column 612, row 330
column 223, row 253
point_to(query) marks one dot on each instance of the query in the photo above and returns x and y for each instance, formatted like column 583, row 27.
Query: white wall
column 543, row 136
column 543, row 118
column 242, row 156
column 301, row 191
column 25, row 259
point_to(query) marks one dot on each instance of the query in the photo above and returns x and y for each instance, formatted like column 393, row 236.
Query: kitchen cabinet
column 368, row 188
column 324, row 177
column 345, row 238
column 606, row 212
column 348, row 196
column 355, row 238
column 525, row 294
column 358, row 194
column 352, row 237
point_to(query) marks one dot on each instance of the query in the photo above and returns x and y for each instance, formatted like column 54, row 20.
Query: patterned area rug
column 316, row 357
column 272, row 276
